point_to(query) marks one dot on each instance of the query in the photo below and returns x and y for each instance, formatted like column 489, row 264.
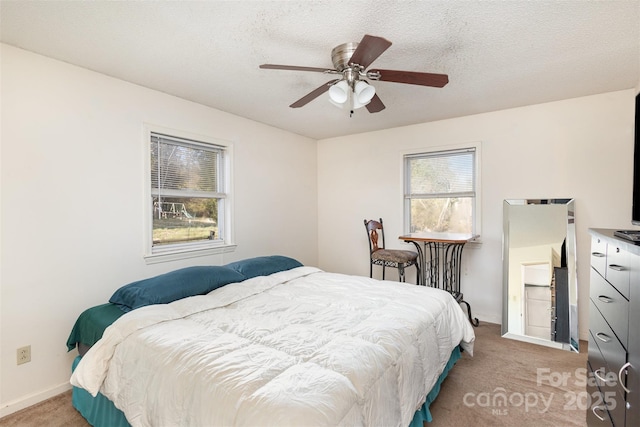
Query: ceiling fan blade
column 369, row 48
column 412, row 78
column 375, row 105
column 312, row 95
column 294, row 68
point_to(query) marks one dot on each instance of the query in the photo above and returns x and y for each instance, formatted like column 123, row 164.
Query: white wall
column 71, row 203
column 579, row 148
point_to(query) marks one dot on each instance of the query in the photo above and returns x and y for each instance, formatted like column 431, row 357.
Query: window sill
column 188, row 253
column 475, row 243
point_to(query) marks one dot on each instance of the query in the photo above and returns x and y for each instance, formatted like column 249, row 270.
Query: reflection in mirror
column 540, row 294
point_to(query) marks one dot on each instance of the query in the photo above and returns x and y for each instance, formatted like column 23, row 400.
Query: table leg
column 442, row 271
column 452, row 266
column 432, row 270
column 474, row 320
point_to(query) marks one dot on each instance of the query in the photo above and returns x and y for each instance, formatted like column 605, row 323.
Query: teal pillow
column 263, row 266
column 173, row 286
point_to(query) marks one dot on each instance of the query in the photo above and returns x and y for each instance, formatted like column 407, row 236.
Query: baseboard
column 484, row 317
column 32, row 399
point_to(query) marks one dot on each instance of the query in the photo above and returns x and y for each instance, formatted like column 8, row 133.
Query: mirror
column 540, row 288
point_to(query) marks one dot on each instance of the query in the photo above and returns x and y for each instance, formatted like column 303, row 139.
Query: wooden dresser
column 614, row 331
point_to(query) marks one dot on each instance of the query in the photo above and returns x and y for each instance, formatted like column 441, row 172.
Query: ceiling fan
column 351, row 89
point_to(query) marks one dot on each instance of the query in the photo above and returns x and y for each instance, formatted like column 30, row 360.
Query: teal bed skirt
column 424, row 414
column 101, row 412
column 98, row 411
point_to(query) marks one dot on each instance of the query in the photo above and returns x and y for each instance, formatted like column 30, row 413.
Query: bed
column 265, row 341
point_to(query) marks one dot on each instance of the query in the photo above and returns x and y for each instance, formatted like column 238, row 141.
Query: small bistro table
column 441, row 269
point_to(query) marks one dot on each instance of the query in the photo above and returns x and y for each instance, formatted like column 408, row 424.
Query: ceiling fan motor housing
column 341, row 54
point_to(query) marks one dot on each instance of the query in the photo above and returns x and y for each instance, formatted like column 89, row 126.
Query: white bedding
column 300, row 347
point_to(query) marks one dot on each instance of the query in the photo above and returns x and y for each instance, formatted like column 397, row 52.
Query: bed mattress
column 294, row 347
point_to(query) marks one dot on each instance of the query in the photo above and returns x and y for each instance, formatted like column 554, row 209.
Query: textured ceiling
column 497, row 54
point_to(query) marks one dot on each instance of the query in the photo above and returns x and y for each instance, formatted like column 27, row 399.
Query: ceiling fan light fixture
column 339, row 92
column 355, row 104
column 364, row 92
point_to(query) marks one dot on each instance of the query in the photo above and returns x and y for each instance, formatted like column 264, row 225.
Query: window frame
column 185, row 250
column 477, row 213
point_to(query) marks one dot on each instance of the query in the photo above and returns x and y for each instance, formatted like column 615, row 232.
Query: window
column 441, row 191
column 188, row 197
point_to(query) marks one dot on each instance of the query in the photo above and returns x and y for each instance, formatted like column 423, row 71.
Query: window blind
column 185, row 167
column 437, row 174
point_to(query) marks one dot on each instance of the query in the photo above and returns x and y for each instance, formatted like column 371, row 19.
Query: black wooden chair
column 379, row 255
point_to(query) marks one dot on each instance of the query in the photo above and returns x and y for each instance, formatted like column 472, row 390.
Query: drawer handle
column 624, row 368
column 605, row 298
column 597, row 375
column 598, row 254
column 596, row 414
column 603, row 337
column 616, row 267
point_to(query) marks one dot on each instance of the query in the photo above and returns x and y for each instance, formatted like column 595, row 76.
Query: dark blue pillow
column 173, row 286
column 263, row 266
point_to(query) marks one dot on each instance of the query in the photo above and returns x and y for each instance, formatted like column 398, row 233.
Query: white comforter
column 300, row 347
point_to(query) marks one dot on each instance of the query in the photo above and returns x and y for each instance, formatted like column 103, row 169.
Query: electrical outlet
column 24, row 355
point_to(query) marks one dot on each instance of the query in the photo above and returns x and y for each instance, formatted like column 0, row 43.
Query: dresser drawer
column 618, row 269
column 613, row 353
column 612, row 305
column 597, row 412
column 611, row 394
column 599, row 255
column 604, row 378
